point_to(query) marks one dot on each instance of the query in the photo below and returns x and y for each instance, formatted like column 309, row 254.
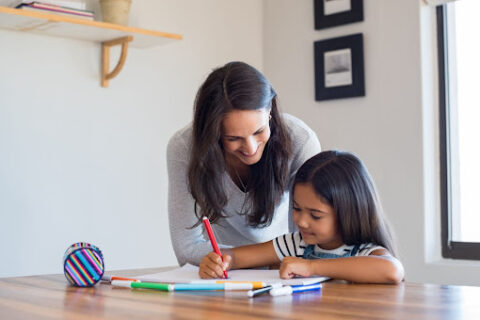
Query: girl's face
column 316, row 220
column 244, row 135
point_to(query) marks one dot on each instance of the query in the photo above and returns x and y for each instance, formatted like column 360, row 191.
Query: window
column 459, row 71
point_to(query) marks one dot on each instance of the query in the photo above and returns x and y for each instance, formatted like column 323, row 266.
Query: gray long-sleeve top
column 191, row 245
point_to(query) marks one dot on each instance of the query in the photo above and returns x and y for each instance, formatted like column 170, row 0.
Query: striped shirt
column 292, row 245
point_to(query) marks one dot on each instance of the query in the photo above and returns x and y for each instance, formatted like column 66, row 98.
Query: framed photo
column 330, row 13
column 339, row 71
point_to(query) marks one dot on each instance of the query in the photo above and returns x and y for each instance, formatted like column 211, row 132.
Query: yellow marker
column 255, row 284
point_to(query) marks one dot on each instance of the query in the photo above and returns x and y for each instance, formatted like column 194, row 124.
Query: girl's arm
column 379, row 267
column 252, row 256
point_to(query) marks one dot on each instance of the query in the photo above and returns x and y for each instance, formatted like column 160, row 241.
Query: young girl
column 338, row 215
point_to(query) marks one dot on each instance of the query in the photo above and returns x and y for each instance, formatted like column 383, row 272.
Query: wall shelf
column 94, row 31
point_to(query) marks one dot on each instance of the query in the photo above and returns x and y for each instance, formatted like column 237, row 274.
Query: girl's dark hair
column 238, row 86
column 341, row 179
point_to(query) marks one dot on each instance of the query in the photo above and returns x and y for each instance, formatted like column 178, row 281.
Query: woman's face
column 244, row 135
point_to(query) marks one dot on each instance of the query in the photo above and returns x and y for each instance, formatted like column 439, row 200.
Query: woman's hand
column 292, row 267
column 213, row 267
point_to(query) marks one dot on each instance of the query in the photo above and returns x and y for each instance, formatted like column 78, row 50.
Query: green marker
column 143, row 285
column 182, row 286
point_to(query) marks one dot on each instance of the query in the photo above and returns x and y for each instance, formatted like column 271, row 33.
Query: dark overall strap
column 308, row 251
column 354, row 250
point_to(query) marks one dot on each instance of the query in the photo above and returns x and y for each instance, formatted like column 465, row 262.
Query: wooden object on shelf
column 72, row 28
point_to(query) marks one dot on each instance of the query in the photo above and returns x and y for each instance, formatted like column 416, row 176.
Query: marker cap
column 122, row 283
column 281, row 291
column 238, row 286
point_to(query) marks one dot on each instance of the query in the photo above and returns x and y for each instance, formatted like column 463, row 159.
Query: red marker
column 215, row 247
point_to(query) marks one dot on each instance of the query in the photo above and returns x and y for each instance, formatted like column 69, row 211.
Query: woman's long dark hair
column 341, row 179
column 239, row 86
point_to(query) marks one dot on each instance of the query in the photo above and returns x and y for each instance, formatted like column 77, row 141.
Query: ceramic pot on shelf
column 115, row 11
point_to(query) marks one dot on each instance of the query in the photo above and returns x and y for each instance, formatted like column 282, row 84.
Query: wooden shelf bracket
column 106, row 76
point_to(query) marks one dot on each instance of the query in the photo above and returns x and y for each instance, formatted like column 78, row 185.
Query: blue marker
column 211, row 286
column 292, row 289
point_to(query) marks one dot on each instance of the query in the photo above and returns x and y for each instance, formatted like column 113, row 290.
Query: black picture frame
column 325, row 16
column 339, row 70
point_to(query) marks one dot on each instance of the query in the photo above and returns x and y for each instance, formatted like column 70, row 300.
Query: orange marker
column 111, row 278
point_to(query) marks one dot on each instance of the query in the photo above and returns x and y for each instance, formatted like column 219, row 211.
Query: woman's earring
column 269, row 117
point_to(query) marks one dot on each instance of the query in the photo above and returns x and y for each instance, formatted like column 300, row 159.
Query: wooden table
column 51, row 297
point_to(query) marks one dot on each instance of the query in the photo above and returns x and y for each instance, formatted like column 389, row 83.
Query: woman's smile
column 250, row 155
column 244, row 135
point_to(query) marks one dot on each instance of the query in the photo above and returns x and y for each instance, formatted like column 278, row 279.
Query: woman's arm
column 251, row 256
column 378, row 267
column 190, row 245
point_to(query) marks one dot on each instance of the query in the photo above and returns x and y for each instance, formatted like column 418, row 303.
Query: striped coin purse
column 83, row 264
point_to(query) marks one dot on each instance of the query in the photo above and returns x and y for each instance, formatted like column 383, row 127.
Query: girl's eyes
column 258, row 132
column 232, row 139
column 314, row 217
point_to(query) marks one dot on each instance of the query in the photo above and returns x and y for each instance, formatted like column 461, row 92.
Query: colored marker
column 111, row 278
column 254, row 293
column 142, row 285
column 293, row 289
column 248, row 284
column 215, row 247
column 227, row 286
column 182, row 286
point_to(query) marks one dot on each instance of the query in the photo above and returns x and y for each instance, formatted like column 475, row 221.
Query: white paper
column 336, row 6
column 189, row 273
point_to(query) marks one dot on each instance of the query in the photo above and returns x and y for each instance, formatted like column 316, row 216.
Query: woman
column 235, row 164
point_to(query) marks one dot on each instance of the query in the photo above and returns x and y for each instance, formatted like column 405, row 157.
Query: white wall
column 83, row 163
column 392, row 129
